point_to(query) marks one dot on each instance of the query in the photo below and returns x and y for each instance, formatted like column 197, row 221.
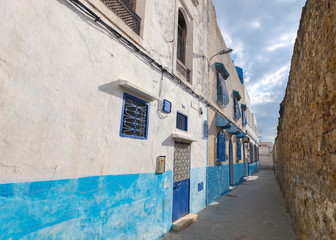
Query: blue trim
column 126, row 95
column 185, row 127
column 233, row 129
column 222, row 121
column 240, row 74
column 220, row 68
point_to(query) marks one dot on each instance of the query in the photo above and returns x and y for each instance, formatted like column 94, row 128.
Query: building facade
column 252, row 133
column 265, row 154
column 229, row 134
column 104, row 117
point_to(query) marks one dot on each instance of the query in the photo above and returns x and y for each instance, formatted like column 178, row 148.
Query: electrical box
column 161, row 164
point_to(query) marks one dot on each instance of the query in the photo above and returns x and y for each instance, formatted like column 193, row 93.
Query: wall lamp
column 224, row 51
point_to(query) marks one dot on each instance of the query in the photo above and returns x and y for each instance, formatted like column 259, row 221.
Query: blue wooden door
column 244, row 159
column 181, row 186
column 231, row 163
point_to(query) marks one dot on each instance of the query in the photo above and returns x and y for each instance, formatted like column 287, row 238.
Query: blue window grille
column 222, row 94
column 221, row 148
column 237, row 113
column 238, row 150
column 244, row 121
column 205, row 129
column 134, row 119
column 182, row 121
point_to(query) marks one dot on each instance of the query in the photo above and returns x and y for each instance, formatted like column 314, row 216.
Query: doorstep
column 184, row 222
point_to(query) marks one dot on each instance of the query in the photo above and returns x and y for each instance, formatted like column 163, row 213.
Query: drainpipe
column 207, row 98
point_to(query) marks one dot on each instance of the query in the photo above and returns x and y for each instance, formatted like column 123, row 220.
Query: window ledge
column 137, row 90
column 183, row 137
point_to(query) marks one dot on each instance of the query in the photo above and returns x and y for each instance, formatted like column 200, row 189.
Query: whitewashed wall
column 60, row 107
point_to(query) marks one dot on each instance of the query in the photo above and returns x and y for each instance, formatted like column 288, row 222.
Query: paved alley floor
column 255, row 210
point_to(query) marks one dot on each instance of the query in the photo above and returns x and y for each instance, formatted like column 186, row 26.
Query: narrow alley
column 253, row 210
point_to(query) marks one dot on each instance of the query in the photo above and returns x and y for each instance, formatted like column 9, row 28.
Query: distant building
column 265, row 154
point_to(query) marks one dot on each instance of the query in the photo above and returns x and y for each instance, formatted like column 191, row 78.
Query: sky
column 262, row 34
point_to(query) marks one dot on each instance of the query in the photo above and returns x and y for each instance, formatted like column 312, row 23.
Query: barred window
column 182, row 121
column 134, row 119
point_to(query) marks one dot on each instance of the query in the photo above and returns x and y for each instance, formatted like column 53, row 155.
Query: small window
column 182, row 121
column 181, row 37
column 134, row 119
column 125, row 10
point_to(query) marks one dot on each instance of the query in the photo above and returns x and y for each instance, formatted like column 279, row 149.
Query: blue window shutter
column 221, row 146
column 182, row 121
column 244, row 120
column 222, row 94
column 237, row 113
column 238, row 149
column 222, row 70
column 205, row 129
column 240, row 74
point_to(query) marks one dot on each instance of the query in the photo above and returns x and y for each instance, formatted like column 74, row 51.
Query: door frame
column 182, row 180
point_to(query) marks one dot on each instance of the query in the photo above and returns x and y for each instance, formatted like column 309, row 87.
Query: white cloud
column 285, row 40
column 263, row 90
column 255, row 23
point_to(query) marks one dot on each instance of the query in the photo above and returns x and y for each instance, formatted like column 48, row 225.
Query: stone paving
column 255, row 210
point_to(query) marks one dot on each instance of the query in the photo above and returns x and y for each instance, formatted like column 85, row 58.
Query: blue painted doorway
column 231, row 163
column 244, row 159
column 181, row 186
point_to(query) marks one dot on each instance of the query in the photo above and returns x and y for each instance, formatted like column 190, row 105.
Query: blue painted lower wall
column 134, row 206
column 217, row 181
column 238, row 173
column 197, row 189
column 252, row 168
column 137, row 206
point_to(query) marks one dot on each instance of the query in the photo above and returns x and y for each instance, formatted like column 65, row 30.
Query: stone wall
column 305, row 148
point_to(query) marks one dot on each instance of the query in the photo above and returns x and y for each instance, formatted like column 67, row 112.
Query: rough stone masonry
column 305, row 148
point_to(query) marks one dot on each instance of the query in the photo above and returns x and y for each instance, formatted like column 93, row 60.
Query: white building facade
column 93, row 100
column 104, row 117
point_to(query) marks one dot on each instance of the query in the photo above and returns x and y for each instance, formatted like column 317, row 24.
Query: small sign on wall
column 166, row 106
column 161, row 164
